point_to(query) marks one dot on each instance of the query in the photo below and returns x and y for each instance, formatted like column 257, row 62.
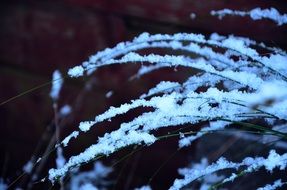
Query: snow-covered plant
column 252, row 164
column 240, row 85
column 196, row 169
column 255, row 14
column 236, row 81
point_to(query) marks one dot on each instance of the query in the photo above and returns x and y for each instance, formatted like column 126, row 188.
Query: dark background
column 38, row 37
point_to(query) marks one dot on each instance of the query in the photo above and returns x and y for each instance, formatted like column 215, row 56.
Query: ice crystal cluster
column 241, row 84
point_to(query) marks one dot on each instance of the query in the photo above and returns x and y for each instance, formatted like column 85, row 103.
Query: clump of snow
column 109, row 94
column 192, row 16
column 28, row 167
column 65, row 110
column 86, row 125
column 230, row 178
column 166, row 104
column 275, row 160
column 276, row 61
column 272, row 13
column 60, row 160
column 76, row 71
column 68, row 138
column 57, row 83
